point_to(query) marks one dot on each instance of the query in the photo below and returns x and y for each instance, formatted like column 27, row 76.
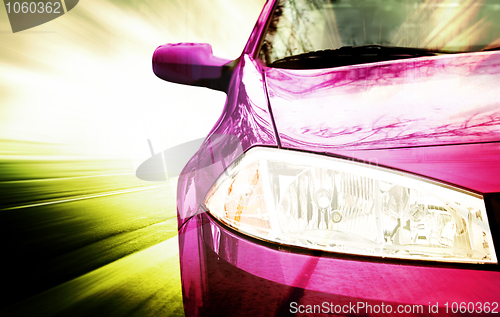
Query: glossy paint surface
column 253, row 44
column 224, row 272
column 237, row 272
column 188, row 63
column 423, row 101
column 245, row 122
column 433, row 116
column 372, row 111
column 471, row 166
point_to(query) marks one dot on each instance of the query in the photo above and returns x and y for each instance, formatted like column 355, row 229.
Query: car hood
column 434, row 116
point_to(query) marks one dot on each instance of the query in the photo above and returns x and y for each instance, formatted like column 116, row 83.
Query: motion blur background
column 78, row 103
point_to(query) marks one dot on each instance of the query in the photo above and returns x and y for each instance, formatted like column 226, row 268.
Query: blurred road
column 88, row 243
column 85, row 237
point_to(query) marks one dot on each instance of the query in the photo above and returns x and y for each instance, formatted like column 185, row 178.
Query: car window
column 302, row 26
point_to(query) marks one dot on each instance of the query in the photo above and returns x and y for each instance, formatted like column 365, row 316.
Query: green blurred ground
column 93, row 213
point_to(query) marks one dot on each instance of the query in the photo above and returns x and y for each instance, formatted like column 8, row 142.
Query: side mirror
column 192, row 64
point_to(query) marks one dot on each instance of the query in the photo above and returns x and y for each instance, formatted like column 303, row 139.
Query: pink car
column 355, row 169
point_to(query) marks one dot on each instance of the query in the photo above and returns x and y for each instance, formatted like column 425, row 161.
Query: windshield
column 451, row 26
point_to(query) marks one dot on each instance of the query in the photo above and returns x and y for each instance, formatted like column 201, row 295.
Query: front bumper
column 227, row 274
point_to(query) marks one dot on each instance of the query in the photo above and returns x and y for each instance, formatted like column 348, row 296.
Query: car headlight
column 324, row 203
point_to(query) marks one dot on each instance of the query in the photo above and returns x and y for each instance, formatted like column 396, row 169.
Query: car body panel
column 226, row 273
column 474, row 167
column 446, row 99
column 239, row 277
column 253, row 44
column 438, row 117
column 245, row 118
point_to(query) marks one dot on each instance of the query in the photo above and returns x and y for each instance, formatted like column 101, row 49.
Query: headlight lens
column 330, row 204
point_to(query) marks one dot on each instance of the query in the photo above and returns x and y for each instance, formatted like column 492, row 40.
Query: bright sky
column 85, row 80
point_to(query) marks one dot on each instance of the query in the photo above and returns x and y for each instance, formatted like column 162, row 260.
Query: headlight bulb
column 322, row 198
